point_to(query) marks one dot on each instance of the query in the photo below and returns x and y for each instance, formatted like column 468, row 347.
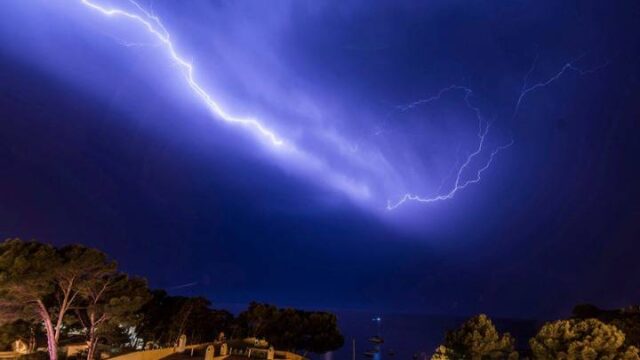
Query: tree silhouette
column 581, row 339
column 476, row 339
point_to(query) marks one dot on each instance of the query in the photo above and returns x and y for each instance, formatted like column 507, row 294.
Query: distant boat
column 376, row 340
column 370, row 353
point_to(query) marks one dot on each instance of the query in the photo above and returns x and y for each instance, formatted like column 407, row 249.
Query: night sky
column 103, row 142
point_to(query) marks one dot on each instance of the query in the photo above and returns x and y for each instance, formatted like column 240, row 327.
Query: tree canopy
column 78, row 290
column 18, row 330
column 476, row 339
column 588, row 339
column 165, row 318
column 292, row 329
column 44, row 283
column 626, row 319
column 34, row 284
column 109, row 306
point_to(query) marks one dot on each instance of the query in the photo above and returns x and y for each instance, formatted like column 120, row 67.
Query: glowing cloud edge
column 161, row 34
column 155, row 27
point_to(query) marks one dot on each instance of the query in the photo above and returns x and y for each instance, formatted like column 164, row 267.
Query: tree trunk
column 52, row 344
column 91, row 348
column 32, row 339
column 68, row 297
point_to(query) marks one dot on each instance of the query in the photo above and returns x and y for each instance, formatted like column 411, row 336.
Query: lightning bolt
column 154, row 26
column 460, row 182
column 570, row 66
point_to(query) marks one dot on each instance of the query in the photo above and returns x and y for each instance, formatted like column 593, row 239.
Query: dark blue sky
column 105, row 145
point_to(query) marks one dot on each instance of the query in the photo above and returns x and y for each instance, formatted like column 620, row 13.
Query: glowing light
column 466, row 174
column 154, row 26
column 460, row 183
column 526, row 89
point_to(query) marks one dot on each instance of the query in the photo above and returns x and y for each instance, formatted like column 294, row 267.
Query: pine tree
column 476, row 339
column 581, row 339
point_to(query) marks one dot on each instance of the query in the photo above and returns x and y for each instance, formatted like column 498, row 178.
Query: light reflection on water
column 407, row 335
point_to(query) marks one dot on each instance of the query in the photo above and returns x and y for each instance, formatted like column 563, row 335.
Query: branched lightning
column 461, row 182
column 154, row 26
column 570, row 66
column 463, row 173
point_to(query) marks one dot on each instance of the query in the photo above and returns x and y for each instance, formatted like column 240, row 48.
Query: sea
column 408, row 336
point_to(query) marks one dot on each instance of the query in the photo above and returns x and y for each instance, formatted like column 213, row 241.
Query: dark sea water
column 405, row 334
column 409, row 334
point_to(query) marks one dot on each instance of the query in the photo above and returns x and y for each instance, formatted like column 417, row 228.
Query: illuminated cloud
column 379, row 158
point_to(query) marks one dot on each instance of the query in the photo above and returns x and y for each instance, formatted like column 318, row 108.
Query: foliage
column 76, row 290
column 27, row 275
column 156, row 315
column 165, row 318
column 204, row 323
column 43, row 283
column 476, row 339
column 19, row 329
column 320, row 332
column 626, row 319
column 34, row 284
column 110, row 301
column 581, row 339
column 254, row 321
column 292, row 329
